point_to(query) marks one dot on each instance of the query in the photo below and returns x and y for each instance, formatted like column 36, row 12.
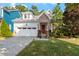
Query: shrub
column 65, row 31
column 56, row 33
column 61, row 32
column 5, row 31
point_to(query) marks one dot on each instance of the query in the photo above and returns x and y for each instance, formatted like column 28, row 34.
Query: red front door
column 43, row 28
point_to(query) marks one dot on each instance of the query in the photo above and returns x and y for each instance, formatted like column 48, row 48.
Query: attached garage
column 26, row 29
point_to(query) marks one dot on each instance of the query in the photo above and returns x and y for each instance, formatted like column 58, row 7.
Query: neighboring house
column 30, row 25
column 0, row 16
column 0, row 21
column 9, row 16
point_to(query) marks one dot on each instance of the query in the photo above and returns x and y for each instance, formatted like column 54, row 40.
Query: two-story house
column 31, row 25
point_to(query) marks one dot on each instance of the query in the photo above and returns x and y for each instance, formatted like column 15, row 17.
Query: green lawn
column 52, row 47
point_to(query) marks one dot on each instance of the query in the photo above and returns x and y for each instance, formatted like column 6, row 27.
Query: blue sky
column 41, row 6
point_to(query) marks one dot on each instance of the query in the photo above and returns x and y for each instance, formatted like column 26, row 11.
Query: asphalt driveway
column 13, row 45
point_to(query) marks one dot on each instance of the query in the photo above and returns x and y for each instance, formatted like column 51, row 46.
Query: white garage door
column 31, row 30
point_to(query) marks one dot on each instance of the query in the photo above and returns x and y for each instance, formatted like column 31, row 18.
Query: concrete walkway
column 41, row 39
column 12, row 46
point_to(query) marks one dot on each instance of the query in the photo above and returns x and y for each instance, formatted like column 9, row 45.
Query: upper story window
column 27, row 16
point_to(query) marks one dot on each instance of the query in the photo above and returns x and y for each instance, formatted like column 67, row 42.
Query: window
column 29, row 28
column 24, row 27
column 19, row 27
column 28, row 16
column 25, row 16
column 33, row 28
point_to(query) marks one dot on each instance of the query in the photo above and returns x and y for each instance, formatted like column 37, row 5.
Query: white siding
column 26, row 32
column 16, row 25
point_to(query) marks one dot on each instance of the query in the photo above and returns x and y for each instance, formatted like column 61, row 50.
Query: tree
column 70, row 6
column 57, row 16
column 57, row 22
column 21, row 8
column 34, row 10
column 5, row 31
column 71, row 18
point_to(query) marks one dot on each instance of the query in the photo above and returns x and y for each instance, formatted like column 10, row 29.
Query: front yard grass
column 52, row 47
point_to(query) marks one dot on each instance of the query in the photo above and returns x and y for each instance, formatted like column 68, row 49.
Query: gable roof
column 44, row 12
column 20, row 20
